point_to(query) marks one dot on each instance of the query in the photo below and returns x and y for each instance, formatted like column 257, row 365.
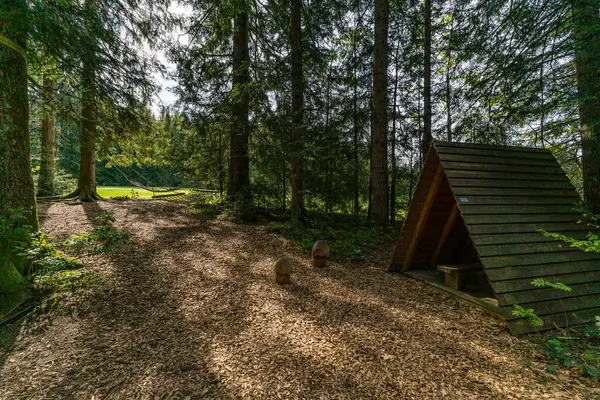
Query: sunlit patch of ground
column 192, row 311
column 108, row 192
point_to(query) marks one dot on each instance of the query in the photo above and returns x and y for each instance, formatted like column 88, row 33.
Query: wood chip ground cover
column 191, row 310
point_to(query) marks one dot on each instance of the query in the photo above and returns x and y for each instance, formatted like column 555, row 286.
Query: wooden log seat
column 455, row 276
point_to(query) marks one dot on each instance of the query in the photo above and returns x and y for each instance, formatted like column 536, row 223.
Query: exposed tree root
column 80, row 195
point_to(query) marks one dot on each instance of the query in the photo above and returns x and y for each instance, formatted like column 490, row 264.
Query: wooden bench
column 455, row 275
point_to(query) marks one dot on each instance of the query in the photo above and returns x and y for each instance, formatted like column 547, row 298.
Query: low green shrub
column 31, row 265
column 102, row 238
column 66, row 281
column 28, row 252
column 575, row 348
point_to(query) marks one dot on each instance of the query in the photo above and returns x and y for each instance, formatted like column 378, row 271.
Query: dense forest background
column 319, row 105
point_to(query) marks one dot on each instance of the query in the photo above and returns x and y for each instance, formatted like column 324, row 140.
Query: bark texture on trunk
column 238, row 185
column 427, row 137
column 393, row 143
column 86, row 184
column 356, row 165
column 47, row 161
column 379, row 120
column 16, row 181
column 297, row 111
column 587, row 60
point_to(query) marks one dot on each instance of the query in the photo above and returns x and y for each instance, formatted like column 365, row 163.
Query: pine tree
column 45, row 185
column 379, row 120
column 427, row 136
column 297, row 111
column 239, row 168
column 16, row 182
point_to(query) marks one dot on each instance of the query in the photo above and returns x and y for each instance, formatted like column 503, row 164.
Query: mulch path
column 189, row 309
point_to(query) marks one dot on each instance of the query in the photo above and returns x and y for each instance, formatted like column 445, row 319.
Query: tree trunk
column 587, row 60
column 379, row 120
column 297, row 111
column 238, row 185
column 86, row 184
column 542, row 99
column 356, row 207
column 220, row 164
column 427, row 137
column 393, row 143
column 421, row 160
column 449, row 70
column 330, row 142
column 16, row 181
column 448, row 106
column 47, row 161
column 283, row 185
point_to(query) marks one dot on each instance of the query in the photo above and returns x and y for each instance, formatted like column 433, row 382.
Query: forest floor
column 188, row 308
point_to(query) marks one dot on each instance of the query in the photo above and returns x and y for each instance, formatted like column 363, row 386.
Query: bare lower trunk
column 238, row 185
column 16, row 182
column 356, row 207
column 86, row 184
column 587, row 61
column 448, row 105
column 297, row 111
column 379, row 120
column 330, row 140
column 393, row 144
column 355, row 180
column 47, row 159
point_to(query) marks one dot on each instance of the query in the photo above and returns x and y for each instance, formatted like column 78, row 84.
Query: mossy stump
column 320, row 253
column 283, row 270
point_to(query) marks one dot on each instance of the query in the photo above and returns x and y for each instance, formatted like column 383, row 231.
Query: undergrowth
column 134, row 195
column 102, row 238
column 348, row 237
column 574, row 348
column 353, row 242
column 577, row 347
column 213, row 206
column 41, row 269
column 31, row 253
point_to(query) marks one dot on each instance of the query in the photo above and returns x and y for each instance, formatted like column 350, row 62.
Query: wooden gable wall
column 505, row 195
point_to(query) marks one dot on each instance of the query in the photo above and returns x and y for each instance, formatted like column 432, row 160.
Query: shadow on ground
column 190, row 310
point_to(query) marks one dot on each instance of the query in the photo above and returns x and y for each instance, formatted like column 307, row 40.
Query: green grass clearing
column 118, row 191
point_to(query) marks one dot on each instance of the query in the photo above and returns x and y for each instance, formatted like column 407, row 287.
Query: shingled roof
column 503, row 196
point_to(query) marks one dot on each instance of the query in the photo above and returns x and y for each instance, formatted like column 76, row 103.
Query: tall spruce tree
column 297, row 110
column 45, row 186
column 379, row 119
column 239, row 165
column 16, row 181
column 427, row 135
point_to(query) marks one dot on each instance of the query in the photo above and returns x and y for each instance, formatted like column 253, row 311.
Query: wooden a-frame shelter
column 484, row 205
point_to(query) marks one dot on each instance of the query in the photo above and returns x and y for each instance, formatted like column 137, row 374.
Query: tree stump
column 320, row 253
column 283, row 270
